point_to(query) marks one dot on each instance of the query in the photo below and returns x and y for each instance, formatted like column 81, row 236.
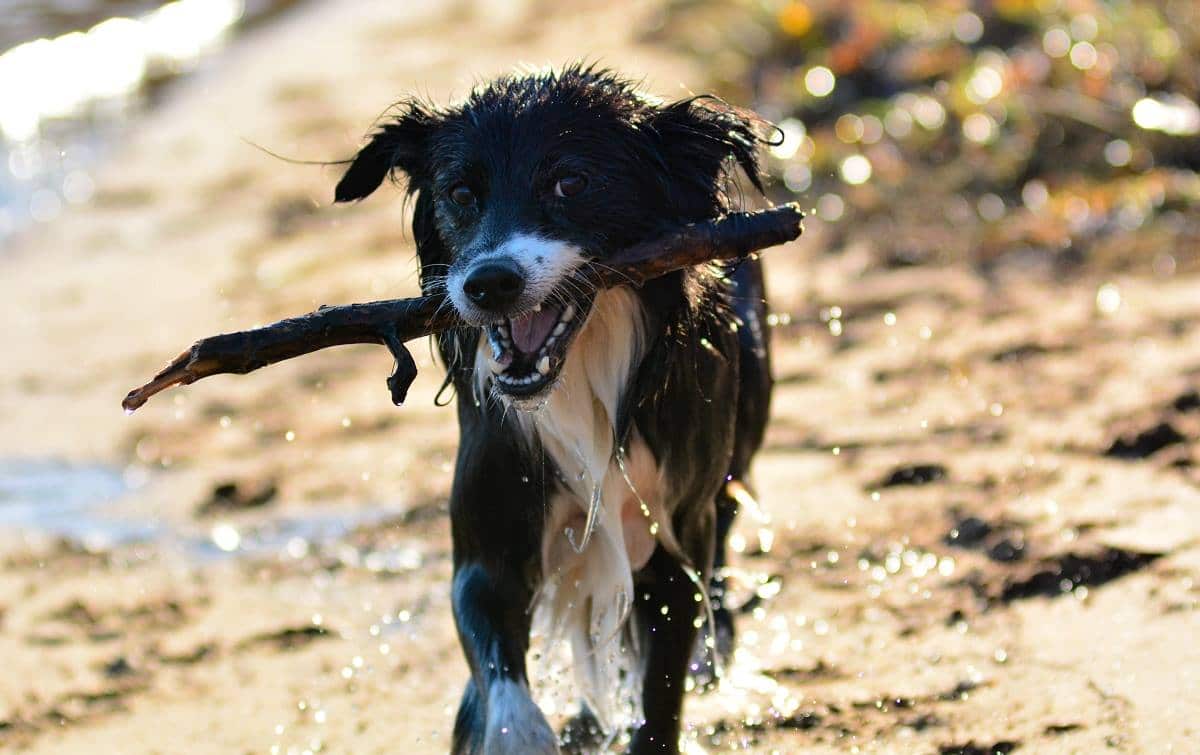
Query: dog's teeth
column 568, row 313
column 543, row 365
column 560, row 329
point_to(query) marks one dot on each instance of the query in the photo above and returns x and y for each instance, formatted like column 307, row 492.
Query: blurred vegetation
column 1050, row 134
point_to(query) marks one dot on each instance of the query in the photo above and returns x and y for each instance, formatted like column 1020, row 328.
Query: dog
column 605, row 435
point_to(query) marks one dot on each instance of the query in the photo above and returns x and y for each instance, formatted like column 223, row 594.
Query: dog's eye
column 569, row 186
column 462, row 195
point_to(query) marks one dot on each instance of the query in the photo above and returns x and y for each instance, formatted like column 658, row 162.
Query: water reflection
column 64, row 500
column 61, row 77
column 90, row 505
column 66, row 95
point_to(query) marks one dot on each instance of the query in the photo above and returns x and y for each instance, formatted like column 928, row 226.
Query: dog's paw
column 515, row 725
column 582, row 734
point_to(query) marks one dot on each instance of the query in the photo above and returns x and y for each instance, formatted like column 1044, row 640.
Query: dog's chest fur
column 587, row 585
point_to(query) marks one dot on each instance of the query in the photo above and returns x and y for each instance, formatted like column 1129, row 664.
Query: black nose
column 495, row 286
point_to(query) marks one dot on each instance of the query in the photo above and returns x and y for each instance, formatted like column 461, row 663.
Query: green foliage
column 996, row 131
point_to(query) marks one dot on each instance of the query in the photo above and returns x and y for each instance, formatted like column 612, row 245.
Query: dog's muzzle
column 495, row 286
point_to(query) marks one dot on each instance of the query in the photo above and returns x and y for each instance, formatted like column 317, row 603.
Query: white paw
column 515, row 725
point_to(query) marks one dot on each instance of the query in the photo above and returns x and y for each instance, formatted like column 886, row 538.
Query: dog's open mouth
column 528, row 350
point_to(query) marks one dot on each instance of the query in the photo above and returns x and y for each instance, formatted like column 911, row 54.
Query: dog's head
column 535, row 177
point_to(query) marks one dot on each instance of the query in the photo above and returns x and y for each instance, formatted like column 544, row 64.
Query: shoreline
column 52, row 144
column 865, row 622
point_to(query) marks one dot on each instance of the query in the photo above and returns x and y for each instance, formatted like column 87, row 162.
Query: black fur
column 648, row 167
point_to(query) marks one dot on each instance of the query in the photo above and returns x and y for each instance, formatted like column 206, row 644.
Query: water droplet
column 226, row 537
column 1108, row 299
column 589, row 524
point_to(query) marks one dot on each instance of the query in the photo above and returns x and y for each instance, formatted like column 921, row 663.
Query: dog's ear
column 399, row 144
column 697, row 135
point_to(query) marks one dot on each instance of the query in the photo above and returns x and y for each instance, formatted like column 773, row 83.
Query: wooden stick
column 394, row 321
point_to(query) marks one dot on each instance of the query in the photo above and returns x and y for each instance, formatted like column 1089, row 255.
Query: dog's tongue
column 529, row 330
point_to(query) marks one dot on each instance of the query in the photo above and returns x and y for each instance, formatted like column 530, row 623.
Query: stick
column 394, row 321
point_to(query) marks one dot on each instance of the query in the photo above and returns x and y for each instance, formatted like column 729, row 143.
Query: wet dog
column 605, row 435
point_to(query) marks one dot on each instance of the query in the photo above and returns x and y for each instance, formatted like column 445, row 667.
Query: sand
column 957, row 553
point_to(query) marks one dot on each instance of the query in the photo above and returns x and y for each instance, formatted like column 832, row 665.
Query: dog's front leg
column 497, row 716
column 667, row 609
column 496, row 518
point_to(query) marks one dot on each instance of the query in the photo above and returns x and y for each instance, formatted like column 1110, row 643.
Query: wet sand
column 980, row 527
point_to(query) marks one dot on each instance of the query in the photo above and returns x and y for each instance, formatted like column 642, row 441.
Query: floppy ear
column 699, row 134
column 398, row 144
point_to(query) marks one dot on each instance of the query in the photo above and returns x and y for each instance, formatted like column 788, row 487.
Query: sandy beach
column 979, row 529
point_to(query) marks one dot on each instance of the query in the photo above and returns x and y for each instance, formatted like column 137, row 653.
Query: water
column 63, row 500
column 23, row 20
column 74, row 72
column 94, row 506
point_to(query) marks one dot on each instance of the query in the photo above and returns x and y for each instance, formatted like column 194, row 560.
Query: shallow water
column 91, row 505
column 23, row 20
column 65, row 500
column 74, row 72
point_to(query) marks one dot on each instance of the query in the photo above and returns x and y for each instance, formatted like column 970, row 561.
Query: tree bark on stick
column 394, row 321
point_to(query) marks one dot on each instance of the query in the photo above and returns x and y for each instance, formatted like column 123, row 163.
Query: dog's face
column 535, row 178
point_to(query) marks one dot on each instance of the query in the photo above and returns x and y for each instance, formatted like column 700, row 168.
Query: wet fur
column 662, row 399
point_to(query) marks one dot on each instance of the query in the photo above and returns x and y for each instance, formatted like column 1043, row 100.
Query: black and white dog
column 604, row 434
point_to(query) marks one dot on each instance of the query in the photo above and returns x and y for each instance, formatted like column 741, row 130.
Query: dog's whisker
column 596, row 264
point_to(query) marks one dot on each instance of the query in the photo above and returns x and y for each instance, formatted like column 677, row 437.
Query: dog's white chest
column 588, row 570
column 616, row 488
column 628, row 513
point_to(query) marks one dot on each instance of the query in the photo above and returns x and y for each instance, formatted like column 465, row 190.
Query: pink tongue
column 529, row 330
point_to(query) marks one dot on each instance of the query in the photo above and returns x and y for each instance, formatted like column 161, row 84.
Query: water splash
column 620, row 459
column 593, row 508
column 693, row 575
column 589, row 523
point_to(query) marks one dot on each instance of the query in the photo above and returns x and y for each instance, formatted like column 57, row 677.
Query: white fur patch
column 515, row 725
column 544, row 263
column 587, row 590
column 587, row 593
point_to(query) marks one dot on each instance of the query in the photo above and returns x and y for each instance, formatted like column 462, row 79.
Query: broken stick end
column 138, row 397
column 133, row 401
column 181, row 371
